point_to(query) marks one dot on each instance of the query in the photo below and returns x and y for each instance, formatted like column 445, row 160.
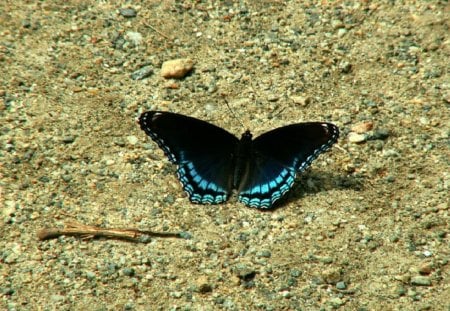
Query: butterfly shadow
column 314, row 181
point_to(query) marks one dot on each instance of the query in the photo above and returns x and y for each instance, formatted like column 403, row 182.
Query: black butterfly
column 212, row 162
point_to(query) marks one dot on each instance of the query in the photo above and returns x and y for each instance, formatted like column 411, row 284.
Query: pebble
column 363, row 127
column 202, row 285
column 446, row 97
column 341, row 32
column 128, row 271
column 264, row 253
column 176, row 294
column 336, row 302
column 90, row 275
column 301, row 100
column 380, row 134
column 142, row 73
column 345, row 67
column 341, row 285
column 400, row 290
column 356, row 138
column 244, row 272
column 132, row 140
column 331, row 276
column 134, row 37
column 66, row 177
column 176, row 68
column 128, row 12
column 9, row 208
column 425, row 268
column 68, row 139
column 421, row 280
column 427, row 253
column 57, row 298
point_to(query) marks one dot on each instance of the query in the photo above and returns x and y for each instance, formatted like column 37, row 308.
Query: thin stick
column 85, row 231
column 157, row 31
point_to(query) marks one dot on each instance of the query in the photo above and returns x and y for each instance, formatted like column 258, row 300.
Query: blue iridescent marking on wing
column 198, row 188
column 267, row 186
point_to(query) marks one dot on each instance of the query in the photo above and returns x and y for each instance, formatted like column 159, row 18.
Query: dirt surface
column 365, row 228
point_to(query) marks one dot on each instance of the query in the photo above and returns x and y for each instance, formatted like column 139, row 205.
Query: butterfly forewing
column 279, row 155
column 202, row 151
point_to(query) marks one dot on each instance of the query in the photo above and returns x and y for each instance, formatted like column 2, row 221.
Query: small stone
column 273, row 98
column 57, row 298
column 421, row 280
column 9, row 208
column 202, row 285
column 390, row 179
column 301, row 100
column 135, row 37
column 336, row 302
column 426, row 268
column 142, row 73
column 356, row 138
column 427, row 253
column 336, row 24
column 341, row 32
column 244, row 272
column 286, row 294
column 177, row 68
column 380, row 134
column 119, row 142
column 400, row 290
column 345, row 67
column 66, row 177
column 362, row 127
column 26, row 23
column 341, row 285
column 264, row 253
column 446, row 97
column 132, row 140
column 185, row 235
column 128, row 12
column 331, row 276
column 68, row 139
column 390, row 153
column 295, row 273
column 90, row 275
column 128, row 271
column 176, row 294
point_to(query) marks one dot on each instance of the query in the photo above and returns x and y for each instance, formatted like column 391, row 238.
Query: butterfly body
column 213, row 162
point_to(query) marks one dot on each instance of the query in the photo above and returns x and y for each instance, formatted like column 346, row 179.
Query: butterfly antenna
column 234, row 115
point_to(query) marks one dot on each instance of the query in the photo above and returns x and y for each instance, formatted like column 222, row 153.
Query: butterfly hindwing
column 278, row 156
column 202, row 151
column 267, row 181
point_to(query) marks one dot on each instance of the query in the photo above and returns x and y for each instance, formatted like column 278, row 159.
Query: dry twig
column 85, row 231
column 157, row 31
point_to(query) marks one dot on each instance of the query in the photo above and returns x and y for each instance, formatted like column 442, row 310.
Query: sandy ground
column 365, row 228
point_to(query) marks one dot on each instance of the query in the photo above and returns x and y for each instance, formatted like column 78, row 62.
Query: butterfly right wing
column 279, row 155
column 202, row 151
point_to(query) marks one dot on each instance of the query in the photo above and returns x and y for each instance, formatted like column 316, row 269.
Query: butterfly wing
column 202, row 151
column 278, row 156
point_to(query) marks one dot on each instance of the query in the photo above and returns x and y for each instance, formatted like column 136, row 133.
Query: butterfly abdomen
column 241, row 161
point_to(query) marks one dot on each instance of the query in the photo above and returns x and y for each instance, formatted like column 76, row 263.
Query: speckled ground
column 366, row 228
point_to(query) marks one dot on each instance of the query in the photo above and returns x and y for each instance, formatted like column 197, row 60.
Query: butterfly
column 213, row 162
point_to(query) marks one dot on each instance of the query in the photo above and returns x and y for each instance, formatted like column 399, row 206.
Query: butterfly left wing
column 202, row 151
column 278, row 156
